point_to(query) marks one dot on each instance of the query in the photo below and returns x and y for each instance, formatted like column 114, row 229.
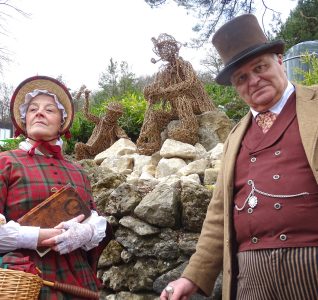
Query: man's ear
column 280, row 58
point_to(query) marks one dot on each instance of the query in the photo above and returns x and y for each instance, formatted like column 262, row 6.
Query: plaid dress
column 26, row 181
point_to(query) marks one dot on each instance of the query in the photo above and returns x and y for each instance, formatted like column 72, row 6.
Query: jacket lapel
column 234, row 144
column 307, row 114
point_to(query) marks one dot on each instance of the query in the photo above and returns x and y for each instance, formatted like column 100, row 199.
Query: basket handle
column 72, row 289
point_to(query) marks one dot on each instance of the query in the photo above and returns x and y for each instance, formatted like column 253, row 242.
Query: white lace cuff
column 99, row 224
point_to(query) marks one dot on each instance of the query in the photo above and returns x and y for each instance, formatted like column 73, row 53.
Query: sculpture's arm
column 158, row 91
column 87, row 114
column 120, row 133
column 186, row 84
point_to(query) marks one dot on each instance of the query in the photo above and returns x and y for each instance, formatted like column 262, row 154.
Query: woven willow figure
column 175, row 94
column 105, row 133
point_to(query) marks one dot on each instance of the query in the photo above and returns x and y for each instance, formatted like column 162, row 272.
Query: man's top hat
column 239, row 40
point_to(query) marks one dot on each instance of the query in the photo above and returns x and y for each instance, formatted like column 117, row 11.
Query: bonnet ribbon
column 54, row 150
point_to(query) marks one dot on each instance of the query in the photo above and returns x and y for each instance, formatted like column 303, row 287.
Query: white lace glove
column 75, row 236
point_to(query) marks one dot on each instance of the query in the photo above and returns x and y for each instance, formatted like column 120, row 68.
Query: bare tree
column 6, row 10
column 5, row 94
column 212, row 62
column 213, row 13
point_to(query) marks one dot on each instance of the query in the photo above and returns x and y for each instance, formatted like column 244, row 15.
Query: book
column 63, row 205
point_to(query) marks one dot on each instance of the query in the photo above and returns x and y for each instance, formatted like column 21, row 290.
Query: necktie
column 265, row 120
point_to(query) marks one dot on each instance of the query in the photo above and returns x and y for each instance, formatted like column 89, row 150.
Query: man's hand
column 182, row 289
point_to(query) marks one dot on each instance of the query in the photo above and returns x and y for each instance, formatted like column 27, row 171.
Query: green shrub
column 10, row 144
column 80, row 132
column 227, row 99
column 134, row 106
column 310, row 76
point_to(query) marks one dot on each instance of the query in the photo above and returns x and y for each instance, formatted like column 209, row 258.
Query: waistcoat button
column 254, row 240
column 253, row 159
column 249, row 182
column 250, row 210
column 277, row 205
column 277, row 152
column 283, row 237
column 276, row 176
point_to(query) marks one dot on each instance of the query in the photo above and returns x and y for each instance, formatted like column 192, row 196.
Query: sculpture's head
column 114, row 110
column 166, row 47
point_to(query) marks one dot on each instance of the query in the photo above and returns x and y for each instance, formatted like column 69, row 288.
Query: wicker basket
column 19, row 285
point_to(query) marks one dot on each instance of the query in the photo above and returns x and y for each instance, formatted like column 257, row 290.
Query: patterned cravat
column 265, row 120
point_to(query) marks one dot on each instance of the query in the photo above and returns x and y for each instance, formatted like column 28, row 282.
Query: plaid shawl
column 27, row 180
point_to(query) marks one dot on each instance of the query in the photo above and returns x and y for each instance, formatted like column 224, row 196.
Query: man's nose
column 253, row 78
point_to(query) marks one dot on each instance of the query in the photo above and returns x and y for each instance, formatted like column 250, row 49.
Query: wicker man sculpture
column 175, row 94
column 105, row 133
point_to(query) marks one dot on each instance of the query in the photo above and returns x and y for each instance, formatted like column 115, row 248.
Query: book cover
column 61, row 206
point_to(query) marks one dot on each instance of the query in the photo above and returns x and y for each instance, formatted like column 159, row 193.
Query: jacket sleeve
column 206, row 263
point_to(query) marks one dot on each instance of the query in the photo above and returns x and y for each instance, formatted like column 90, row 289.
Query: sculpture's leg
column 83, row 151
column 149, row 140
column 187, row 130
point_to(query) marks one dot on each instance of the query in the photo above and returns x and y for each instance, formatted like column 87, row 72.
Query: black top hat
column 240, row 40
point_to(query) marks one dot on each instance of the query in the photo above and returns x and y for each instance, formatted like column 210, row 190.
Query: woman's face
column 43, row 118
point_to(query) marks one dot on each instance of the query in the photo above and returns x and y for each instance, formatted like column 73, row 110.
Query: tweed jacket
column 215, row 247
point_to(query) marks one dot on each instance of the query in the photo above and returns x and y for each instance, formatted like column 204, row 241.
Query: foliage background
column 118, row 83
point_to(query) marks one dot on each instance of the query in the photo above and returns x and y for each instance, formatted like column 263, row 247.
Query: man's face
column 261, row 81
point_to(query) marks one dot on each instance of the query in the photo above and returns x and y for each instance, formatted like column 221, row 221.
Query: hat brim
column 224, row 77
column 43, row 83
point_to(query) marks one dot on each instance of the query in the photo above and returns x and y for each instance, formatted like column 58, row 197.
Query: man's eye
column 261, row 68
column 241, row 79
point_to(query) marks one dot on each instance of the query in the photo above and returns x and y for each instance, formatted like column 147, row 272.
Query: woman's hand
column 47, row 233
column 74, row 236
column 181, row 289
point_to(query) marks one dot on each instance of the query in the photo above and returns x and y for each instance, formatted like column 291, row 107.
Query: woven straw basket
column 19, row 285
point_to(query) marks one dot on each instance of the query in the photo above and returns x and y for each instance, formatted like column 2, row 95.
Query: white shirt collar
column 277, row 108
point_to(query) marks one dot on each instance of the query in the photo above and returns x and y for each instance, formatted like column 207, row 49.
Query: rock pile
column 156, row 205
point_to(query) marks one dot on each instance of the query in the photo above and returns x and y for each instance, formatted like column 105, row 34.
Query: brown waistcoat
column 277, row 164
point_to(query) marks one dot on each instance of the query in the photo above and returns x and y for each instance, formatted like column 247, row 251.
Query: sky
column 77, row 38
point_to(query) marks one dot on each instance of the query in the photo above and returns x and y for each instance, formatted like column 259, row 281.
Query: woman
column 42, row 110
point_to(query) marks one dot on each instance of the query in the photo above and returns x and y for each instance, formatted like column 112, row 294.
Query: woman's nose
column 39, row 112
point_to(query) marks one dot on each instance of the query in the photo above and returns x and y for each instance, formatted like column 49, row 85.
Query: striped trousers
column 278, row 274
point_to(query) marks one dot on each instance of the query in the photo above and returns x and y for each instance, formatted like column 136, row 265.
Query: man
column 261, row 222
